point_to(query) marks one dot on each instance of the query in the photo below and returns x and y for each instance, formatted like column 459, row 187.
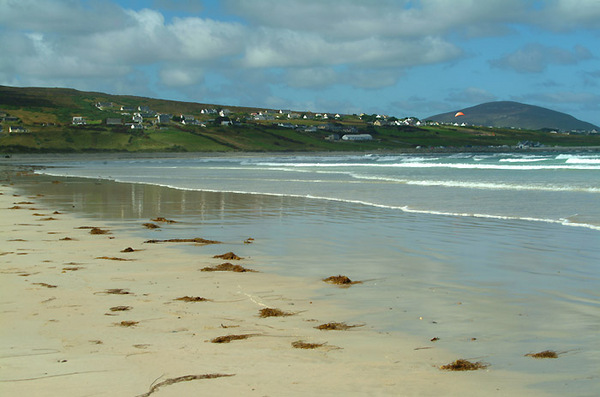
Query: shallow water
column 491, row 288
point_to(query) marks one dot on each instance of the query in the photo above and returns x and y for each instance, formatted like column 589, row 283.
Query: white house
column 357, row 137
column 16, row 129
column 78, row 120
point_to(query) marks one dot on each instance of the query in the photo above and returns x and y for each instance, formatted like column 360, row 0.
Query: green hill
column 507, row 114
column 40, row 120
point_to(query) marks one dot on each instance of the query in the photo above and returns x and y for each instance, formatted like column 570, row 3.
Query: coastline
column 66, row 340
column 27, row 158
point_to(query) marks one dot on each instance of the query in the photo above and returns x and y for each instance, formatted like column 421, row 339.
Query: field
column 46, row 117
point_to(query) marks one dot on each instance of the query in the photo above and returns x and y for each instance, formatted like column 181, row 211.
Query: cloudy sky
column 398, row 57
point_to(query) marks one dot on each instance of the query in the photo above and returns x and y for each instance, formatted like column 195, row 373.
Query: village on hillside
column 142, row 117
column 50, row 121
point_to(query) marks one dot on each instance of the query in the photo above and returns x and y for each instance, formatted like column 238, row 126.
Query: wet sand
column 80, row 317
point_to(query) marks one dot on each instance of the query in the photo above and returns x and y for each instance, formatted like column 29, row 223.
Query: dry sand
column 59, row 336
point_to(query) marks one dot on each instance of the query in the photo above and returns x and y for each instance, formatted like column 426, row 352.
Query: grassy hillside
column 45, row 116
column 507, row 114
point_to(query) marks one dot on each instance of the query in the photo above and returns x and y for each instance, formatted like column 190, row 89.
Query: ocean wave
column 403, row 208
column 525, row 160
column 482, row 185
column 436, row 165
column 583, row 161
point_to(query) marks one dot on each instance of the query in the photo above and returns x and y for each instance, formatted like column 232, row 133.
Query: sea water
column 498, row 255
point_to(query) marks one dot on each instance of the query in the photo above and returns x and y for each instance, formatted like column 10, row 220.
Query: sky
column 395, row 57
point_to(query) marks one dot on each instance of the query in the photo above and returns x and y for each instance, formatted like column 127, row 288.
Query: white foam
column 480, row 166
column 407, row 209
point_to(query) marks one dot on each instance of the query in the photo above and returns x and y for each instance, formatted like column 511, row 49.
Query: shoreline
column 26, row 158
column 51, row 283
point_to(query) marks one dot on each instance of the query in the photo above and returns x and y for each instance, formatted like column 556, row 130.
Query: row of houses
column 7, row 118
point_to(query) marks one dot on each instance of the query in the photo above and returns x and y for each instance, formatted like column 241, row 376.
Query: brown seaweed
column 336, row 326
column 228, row 256
column 185, row 378
column 196, row 240
column 45, row 285
column 151, row 226
column 113, row 258
column 117, row 291
column 304, row 345
column 227, row 267
column 97, row 230
column 127, row 323
column 229, row 338
column 340, row 280
column 164, row 220
column 192, row 299
column 544, row 354
column 271, row 312
column 120, row 308
column 464, row 365
column 72, row 269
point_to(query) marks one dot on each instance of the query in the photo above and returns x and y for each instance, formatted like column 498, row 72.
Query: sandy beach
column 102, row 312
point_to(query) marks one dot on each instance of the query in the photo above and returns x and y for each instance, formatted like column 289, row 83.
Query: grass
column 47, row 114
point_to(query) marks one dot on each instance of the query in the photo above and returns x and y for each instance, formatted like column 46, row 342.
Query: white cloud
column 180, row 76
column 354, row 19
column 285, row 48
column 569, row 15
column 311, row 77
column 202, row 39
column 535, row 58
column 61, row 16
column 471, row 95
column 189, row 6
column 561, row 97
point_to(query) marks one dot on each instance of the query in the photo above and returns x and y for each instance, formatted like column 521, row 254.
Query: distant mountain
column 507, row 114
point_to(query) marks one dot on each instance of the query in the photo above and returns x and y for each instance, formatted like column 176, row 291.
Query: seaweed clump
column 304, row 345
column 151, row 226
column 120, row 308
column 185, row 378
column 117, row 291
column 164, row 220
column 336, row 327
column 227, row 267
column 114, row 258
column 229, row 338
column 45, row 285
column 544, row 354
column 228, row 256
column 192, row 299
column 464, row 365
column 197, row 240
column 340, row 280
column 97, row 230
column 270, row 312
column 128, row 323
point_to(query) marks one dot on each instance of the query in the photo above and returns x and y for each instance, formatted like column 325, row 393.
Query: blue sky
column 401, row 58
